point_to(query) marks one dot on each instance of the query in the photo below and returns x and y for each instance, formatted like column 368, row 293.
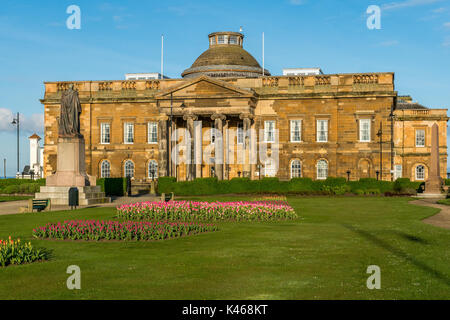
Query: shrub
column 16, row 252
column 359, row 192
column 204, row 211
column 114, row 230
column 373, row 192
column 113, row 186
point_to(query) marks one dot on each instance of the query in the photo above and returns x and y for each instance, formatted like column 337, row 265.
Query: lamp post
column 259, row 170
column 348, row 175
column 378, row 174
column 16, row 121
column 380, row 135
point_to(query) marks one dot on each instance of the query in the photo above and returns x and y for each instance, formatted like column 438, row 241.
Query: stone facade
column 342, row 99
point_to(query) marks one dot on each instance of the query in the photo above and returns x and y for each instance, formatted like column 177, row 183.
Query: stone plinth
column 71, row 172
column 60, row 195
column 433, row 186
column 71, row 169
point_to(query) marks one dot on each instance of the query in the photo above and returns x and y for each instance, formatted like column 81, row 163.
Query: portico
column 200, row 106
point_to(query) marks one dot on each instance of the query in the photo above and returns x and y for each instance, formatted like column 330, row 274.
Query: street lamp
column 378, row 173
column 16, row 121
column 348, row 175
column 380, row 135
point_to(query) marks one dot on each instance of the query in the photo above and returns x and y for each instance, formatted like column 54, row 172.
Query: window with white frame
column 420, row 172
column 128, row 132
column 152, row 132
column 221, row 39
column 296, row 169
column 322, row 130
column 233, row 40
column 129, row 169
column 420, row 138
column 296, row 130
column 322, row 170
column 105, row 170
column 364, row 130
column 152, row 169
column 212, row 40
column 270, row 168
column 105, row 133
column 398, row 171
column 269, row 131
column 240, row 132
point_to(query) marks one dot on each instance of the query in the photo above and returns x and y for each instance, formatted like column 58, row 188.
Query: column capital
column 220, row 116
column 244, row 116
column 163, row 117
column 190, row 116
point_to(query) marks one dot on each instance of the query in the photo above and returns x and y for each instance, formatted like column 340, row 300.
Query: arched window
column 129, row 169
column 296, row 169
column 420, row 172
column 105, row 171
column 322, row 170
column 153, row 169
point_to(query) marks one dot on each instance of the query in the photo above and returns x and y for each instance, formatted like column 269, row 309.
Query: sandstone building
column 340, row 125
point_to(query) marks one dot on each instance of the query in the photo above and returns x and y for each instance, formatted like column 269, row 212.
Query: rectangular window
column 240, row 133
column 221, row 39
column 128, row 133
column 420, row 138
column 296, row 130
column 233, row 40
column 322, row 130
column 269, row 131
column 105, row 134
column 364, row 130
column 152, row 132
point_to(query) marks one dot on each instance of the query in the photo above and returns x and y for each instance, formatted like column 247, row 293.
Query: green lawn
column 13, row 198
column 322, row 255
column 444, row 201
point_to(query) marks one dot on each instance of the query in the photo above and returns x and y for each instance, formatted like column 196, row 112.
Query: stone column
column 190, row 173
column 247, row 118
column 218, row 144
column 162, row 131
column 198, row 150
column 434, row 183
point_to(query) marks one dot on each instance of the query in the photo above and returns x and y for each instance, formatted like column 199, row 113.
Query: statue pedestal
column 71, row 172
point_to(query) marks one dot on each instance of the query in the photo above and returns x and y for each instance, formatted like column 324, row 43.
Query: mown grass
column 322, row 255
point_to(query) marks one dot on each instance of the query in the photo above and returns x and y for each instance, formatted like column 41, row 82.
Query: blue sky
column 118, row 37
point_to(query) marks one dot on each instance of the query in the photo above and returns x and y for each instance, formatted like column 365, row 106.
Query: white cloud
column 407, row 4
column 29, row 124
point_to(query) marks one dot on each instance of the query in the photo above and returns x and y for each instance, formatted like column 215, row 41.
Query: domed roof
column 225, row 58
column 226, row 55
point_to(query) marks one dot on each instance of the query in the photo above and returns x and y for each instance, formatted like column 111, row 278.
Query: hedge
column 333, row 186
column 20, row 186
column 113, row 186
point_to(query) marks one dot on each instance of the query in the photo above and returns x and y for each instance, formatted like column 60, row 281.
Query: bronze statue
column 69, row 121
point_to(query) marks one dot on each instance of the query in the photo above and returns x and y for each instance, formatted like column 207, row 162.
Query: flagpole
column 263, row 71
column 162, row 56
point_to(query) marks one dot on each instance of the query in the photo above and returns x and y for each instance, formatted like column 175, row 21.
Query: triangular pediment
column 205, row 87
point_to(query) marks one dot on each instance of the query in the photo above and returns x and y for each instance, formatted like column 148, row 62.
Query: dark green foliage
column 304, row 186
column 113, row 186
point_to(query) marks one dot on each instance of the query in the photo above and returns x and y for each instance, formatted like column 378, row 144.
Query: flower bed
column 114, row 230
column 17, row 252
column 205, row 211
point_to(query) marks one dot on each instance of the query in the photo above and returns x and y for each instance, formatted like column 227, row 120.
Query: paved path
column 442, row 219
column 13, row 207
